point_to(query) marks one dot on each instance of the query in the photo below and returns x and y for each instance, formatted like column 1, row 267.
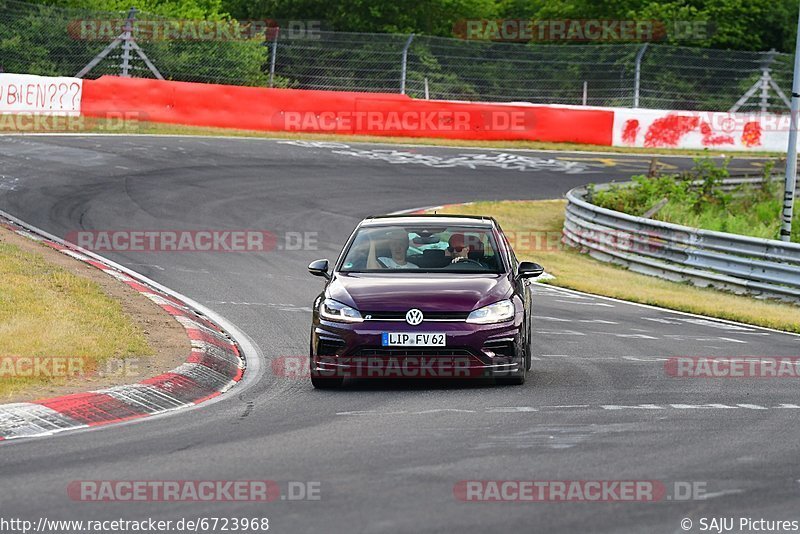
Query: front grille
column 500, row 347
column 429, row 316
column 413, row 352
column 329, row 347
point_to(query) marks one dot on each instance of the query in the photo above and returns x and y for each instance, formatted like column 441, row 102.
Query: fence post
column 585, row 92
column 766, row 76
column 404, row 65
column 638, row 76
column 272, row 55
column 791, row 151
column 126, row 43
column 427, row 92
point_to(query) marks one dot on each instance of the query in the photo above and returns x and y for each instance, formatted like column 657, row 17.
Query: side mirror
column 528, row 269
column 319, row 268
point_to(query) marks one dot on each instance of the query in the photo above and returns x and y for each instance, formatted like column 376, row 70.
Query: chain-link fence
column 41, row 39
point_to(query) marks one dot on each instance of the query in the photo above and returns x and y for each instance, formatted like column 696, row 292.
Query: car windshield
column 423, row 249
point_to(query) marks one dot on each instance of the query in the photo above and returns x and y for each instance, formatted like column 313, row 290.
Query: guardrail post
column 404, row 65
column 638, row 75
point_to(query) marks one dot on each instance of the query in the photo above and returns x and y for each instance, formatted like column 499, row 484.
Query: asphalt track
column 598, row 406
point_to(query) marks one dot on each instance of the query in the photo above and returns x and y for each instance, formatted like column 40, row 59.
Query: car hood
column 428, row 292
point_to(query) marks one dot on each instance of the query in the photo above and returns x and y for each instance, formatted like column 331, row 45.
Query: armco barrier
column 760, row 267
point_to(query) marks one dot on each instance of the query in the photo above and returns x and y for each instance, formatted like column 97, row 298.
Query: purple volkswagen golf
column 423, row 296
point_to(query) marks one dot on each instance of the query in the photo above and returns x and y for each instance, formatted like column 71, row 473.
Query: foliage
column 696, row 198
column 42, row 39
column 734, row 24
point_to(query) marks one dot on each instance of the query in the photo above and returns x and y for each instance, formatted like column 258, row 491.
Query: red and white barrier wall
column 254, row 108
column 651, row 128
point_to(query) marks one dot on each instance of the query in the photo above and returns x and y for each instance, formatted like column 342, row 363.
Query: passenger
column 398, row 247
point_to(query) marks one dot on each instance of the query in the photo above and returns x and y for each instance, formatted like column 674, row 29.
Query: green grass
column 47, row 312
column 534, row 228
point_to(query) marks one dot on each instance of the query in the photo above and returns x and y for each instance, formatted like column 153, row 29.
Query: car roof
column 429, row 218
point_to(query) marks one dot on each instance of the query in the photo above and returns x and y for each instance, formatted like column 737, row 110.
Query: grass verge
column 51, row 317
column 534, row 228
column 78, row 125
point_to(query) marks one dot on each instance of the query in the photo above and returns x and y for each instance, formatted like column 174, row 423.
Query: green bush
column 696, row 198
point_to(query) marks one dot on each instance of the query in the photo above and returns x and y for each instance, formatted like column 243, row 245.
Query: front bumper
column 354, row 350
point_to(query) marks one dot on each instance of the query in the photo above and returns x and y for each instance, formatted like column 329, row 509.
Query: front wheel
column 516, row 379
column 326, row 382
column 527, row 349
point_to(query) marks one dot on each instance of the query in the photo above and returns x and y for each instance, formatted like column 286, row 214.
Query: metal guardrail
column 742, row 264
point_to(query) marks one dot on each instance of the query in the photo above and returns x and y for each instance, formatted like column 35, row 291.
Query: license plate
column 413, row 339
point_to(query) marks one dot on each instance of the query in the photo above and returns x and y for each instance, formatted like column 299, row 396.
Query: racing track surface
column 387, row 455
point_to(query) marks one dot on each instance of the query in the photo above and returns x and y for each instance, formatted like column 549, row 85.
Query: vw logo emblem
column 414, row 317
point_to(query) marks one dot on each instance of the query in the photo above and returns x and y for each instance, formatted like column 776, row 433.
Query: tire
column 527, row 349
column 318, row 381
column 326, row 382
column 518, row 378
column 513, row 380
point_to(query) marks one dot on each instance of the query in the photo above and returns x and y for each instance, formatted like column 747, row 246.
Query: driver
column 398, row 247
column 457, row 249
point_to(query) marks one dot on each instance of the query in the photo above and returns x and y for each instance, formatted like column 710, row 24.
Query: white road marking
column 660, row 320
column 560, row 332
column 156, row 267
column 677, row 337
column 603, row 304
column 277, row 305
column 713, row 324
column 732, row 340
column 561, row 320
column 633, row 336
column 707, row 496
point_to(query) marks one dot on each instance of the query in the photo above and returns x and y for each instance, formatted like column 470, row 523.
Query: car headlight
column 336, row 311
column 493, row 313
